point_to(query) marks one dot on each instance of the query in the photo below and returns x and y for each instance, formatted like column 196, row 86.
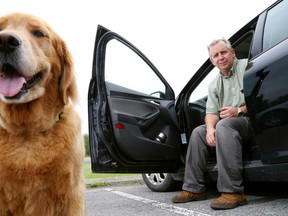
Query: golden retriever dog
column 41, row 145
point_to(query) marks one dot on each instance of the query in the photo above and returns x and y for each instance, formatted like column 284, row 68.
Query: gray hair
column 214, row 42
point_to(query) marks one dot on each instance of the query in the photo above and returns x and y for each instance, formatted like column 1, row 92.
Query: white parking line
column 171, row 208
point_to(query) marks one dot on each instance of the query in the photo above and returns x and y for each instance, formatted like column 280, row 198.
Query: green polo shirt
column 227, row 91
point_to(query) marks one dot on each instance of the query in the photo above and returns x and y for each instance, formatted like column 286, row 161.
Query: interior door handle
column 155, row 102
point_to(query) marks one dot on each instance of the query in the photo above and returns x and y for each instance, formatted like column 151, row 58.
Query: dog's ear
column 68, row 85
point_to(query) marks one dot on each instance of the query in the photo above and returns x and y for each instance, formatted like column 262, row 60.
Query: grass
column 89, row 175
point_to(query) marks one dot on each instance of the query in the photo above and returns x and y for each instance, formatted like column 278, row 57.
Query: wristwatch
column 240, row 113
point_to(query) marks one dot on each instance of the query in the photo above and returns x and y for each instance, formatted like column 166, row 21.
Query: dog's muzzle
column 13, row 84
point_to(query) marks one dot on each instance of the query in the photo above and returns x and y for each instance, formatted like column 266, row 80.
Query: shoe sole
column 220, row 207
column 191, row 200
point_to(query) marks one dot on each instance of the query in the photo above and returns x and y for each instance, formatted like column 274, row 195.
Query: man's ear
column 211, row 60
column 233, row 52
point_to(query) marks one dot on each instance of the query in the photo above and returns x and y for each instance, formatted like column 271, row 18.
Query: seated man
column 226, row 128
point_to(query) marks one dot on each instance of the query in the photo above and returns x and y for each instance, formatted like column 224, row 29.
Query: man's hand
column 211, row 121
column 227, row 112
column 211, row 137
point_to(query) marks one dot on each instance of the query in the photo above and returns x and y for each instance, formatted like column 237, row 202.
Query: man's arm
column 211, row 121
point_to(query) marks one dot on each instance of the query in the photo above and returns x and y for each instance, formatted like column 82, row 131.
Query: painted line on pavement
column 164, row 206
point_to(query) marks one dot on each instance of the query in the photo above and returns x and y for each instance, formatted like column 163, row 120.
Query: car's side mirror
column 158, row 94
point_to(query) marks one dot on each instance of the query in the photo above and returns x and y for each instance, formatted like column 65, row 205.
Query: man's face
column 222, row 57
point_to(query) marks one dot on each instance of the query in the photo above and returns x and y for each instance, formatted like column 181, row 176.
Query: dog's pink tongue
column 11, row 86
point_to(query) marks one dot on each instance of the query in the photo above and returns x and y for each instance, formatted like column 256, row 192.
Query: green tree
column 87, row 149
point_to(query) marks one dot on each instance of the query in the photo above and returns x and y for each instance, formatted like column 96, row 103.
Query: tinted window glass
column 276, row 26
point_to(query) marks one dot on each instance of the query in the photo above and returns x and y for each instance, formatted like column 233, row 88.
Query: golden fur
column 41, row 145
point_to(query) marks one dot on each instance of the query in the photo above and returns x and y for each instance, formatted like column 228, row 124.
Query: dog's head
column 34, row 61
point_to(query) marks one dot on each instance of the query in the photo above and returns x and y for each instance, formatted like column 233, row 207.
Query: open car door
column 133, row 125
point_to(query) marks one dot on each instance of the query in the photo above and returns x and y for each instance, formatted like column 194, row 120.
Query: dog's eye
column 38, row 33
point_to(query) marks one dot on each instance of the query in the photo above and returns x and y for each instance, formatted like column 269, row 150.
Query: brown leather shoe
column 229, row 201
column 187, row 196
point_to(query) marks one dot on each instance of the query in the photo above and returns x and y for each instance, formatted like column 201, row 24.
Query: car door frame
column 105, row 155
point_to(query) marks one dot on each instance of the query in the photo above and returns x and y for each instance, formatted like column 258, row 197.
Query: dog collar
column 58, row 117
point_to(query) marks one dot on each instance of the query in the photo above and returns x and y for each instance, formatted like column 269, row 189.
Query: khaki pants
column 230, row 134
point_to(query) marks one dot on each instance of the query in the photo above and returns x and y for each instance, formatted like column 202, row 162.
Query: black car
column 136, row 125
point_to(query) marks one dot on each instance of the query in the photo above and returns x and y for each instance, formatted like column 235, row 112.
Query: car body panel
column 266, row 95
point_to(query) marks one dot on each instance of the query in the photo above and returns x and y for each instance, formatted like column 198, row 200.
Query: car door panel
column 142, row 118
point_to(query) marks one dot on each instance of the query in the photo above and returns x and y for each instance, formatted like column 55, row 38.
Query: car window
column 276, row 25
column 123, row 67
column 202, row 89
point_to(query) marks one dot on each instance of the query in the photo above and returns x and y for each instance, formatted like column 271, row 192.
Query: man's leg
column 197, row 153
column 230, row 134
column 196, row 159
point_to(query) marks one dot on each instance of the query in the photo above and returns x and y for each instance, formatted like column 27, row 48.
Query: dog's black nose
column 9, row 42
